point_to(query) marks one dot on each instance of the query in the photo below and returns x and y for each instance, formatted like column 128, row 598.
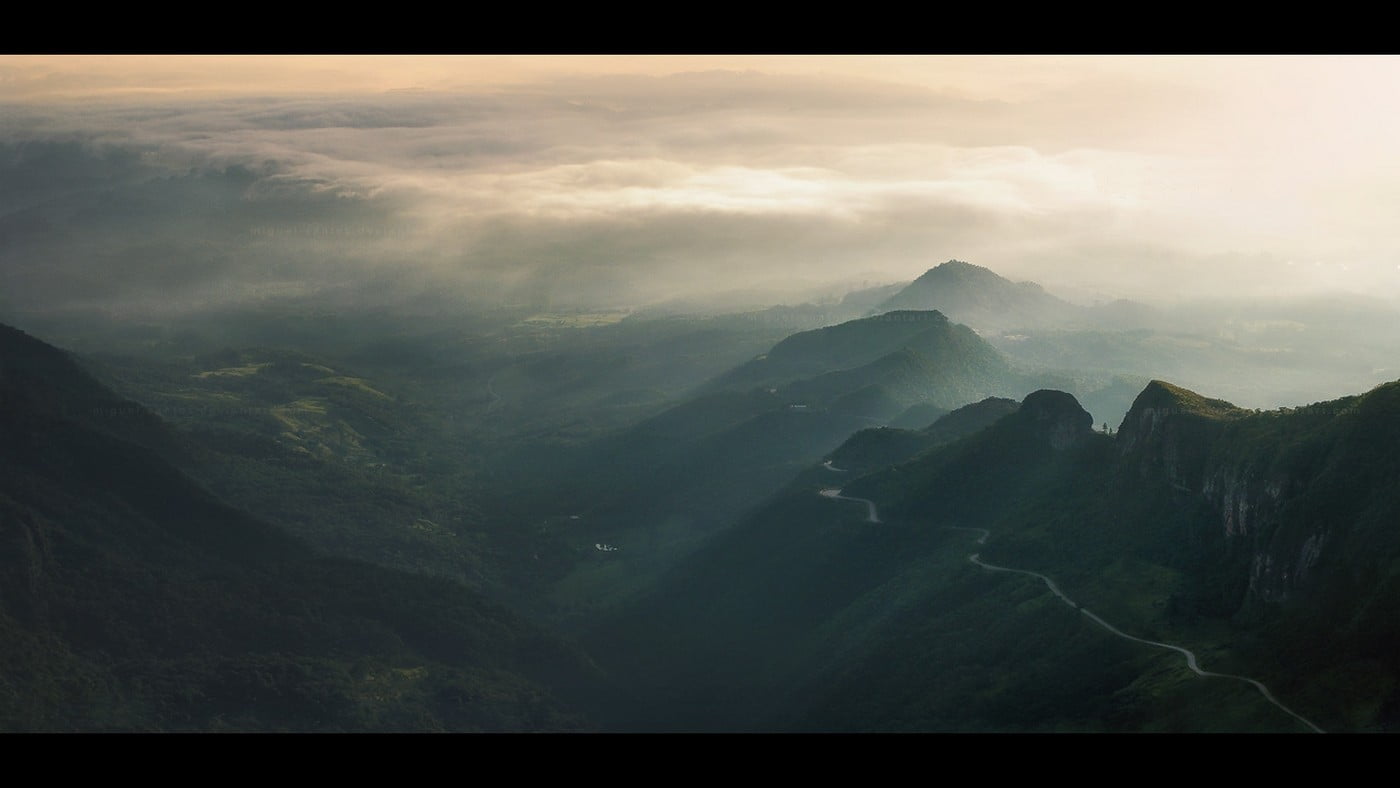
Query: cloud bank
column 161, row 184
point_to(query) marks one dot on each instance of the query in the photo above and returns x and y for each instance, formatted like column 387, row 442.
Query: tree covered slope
column 131, row 598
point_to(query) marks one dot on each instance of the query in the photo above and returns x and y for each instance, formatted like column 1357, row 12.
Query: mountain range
column 903, row 521
column 1262, row 541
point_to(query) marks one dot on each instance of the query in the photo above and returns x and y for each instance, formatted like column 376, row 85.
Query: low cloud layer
column 1098, row 177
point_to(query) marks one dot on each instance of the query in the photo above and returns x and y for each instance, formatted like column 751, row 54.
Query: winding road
column 827, row 465
column 1191, row 661
column 872, row 515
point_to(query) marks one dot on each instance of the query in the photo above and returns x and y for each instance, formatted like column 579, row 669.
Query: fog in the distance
column 171, row 183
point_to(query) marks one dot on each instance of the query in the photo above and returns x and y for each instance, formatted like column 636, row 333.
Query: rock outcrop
column 1058, row 417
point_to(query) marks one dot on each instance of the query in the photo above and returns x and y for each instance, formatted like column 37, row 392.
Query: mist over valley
column 727, row 394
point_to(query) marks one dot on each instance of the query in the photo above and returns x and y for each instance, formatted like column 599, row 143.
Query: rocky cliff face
column 1170, row 430
column 1231, row 459
column 1249, row 500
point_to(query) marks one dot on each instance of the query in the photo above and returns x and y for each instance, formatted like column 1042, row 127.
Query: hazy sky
column 641, row 177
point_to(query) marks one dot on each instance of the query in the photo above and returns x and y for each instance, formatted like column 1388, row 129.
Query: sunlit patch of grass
column 387, row 685
column 289, row 414
column 427, row 526
column 218, row 396
column 358, row 384
column 581, row 320
column 305, row 423
column 307, row 404
column 234, row 372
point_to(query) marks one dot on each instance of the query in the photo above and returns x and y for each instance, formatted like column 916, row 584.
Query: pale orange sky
column 46, row 77
column 1275, row 172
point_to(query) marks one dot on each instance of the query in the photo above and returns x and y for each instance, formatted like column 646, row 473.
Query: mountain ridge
column 1254, row 538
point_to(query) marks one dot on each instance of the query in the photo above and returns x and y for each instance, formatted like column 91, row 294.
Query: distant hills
column 914, row 355
column 665, row 484
column 992, row 304
column 781, row 410
column 980, row 298
column 700, row 464
column 193, row 562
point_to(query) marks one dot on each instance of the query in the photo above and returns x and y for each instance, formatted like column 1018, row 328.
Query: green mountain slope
column 131, row 598
column 872, row 449
column 858, row 344
column 1263, row 542
column 335, row 458
column 657, row 490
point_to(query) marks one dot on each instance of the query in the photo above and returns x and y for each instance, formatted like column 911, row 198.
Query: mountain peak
column 1170, row 429
column 1164, row 398
column 981, row 298
column 1059, row 415
column 955, row 265
column 962, row 271
column 961, row 268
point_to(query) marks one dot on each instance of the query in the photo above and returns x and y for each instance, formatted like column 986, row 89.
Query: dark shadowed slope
column 844, row 357
column 701, row 464
column 872, row 449
column 1264, row 543
column 130, row 598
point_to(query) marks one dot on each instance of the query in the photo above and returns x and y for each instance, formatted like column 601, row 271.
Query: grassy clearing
column 357, row 384
column 581, row 320
column 292, row 415
column 234, row 372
